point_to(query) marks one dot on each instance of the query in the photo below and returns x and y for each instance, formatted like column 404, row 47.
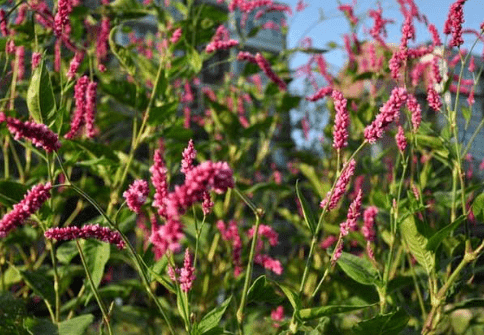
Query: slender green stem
column 248, row 274
column 94, row 289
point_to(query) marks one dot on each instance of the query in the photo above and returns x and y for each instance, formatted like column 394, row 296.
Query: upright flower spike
column 62, row 23
column 400, row 139
column 175, row 37
column 88, row 231
column 266, row 68
column 74, row 64
column 341, row 121
column 158, row 179
column 321, row 93
column 80, row 101
column 21, row 211
column 389, row 112
column 187, row 273
column 36, row 58
column 90, row 111
column 136, row 195
column 340, row 187
column 189, row 155
column 416, row 110
column 453, row 24
column 39, row 134
column 433, row 99
column 231, row 234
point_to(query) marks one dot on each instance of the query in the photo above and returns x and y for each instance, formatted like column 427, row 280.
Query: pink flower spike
column 158, row 179
column 401, row 140
column 472, row 65
column 78, row 118
column 74, row 64
column 136, row 195
column 416, row 110
column 433, row 99
column 266, row 231
column 321, row 93
column 36, row 58
column 166, row 237
column 278, row 313
column 39, row 134
column 340, row 187
column 21, row 211
column 369, row 216
column 88, row 231
column 175, row 37
column 354, row 212
column 207, row 203
column 341, row 121
column 90, row 110
column 388, row 113
column 266, row 68
column 269, row 263
column 189, row 155
column 187, row 273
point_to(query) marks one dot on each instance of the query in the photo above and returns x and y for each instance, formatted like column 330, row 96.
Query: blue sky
column 334, row 25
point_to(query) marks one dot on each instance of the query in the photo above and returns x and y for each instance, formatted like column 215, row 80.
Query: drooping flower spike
column 88, row 231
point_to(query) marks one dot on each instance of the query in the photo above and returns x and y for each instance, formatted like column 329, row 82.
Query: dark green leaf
column 359, row 269
column 12, row 312
column 40, row 283
column 212, row 318
column 416, row 243
column 386, row 324
column 40, row 327
column 439, row 236
column 308, row 214
column 160, row 114
column 254, row 31
column 471, row 303
column 262, row 290
column 307, row 314
column 77, row 325
column 11, row 192
column 40, row 96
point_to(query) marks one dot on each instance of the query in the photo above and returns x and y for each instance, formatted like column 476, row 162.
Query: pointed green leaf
column 11, row 192
column 40, row 327
column 386, row 324
column 263, row 291
column 97, row 255
column 439, row 236
column 77, row 325
column 40, row 96
column 416, row 243
column 291, row 296
column 308, row 214
column 66, row 252
column 359, row 269
column 307, row 314
column 471, row 303
column 212, row 318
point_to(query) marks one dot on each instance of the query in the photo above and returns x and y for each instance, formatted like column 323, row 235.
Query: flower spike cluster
column 453, row 24
column 341, row 121
column 85, row 99
column 21, row 211
column 88, row 231
column 39, row 134
column 186, row 275
column 221, row 41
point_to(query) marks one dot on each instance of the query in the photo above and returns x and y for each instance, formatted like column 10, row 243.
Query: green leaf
column 478, row 207
column 11, row 192
column 262, row 291
column 439, row 236
column 13, row 312
column 212, row 318
column 122, row 54
column 160, row 114
column 196, row 61
column 291, row 296
column 416, row 243
column 386, row 324
column 40, row 327
column 66, row 252
column 359, row 269
column 307, row 314
column 77, row 325
column 40, row 283
column 466, row 113
column 40, row 96
column 471, row 303
column 97, row 255
column 308, row 214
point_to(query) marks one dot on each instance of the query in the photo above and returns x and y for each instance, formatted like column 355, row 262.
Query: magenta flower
column 189, row 155
column 266, row 68
column 278, row 313
column 166, row 237
column 220, row 45
column 453, row 24
column 175, row 37
column 433, row 99
column 74, row 64
column 136, row 195
column 348, row 11
column 3, row 23
column 267, row 232
column 158, row 179
column 328, row 241
column 321, row 93
column 62, row 23
column 369, row 216
column 36, row 57
column 301, row 5
column 207, row 203
column 21, row 211
column 269, row 263
column 435, row 35
column 231, row 234
column 340, row 187
column 187, row 273
column 247, row 56
column 80, row 101
column 388, row 113
column 400, row 139
column 88, row 231
column 39, row 134
column 472, row 65
column 90, row 110
column 20, row 59
column 102, row 39
column 416, row 110
column 341, row 121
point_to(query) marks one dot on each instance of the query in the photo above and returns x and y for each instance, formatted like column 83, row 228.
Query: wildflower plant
column 135, row 196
